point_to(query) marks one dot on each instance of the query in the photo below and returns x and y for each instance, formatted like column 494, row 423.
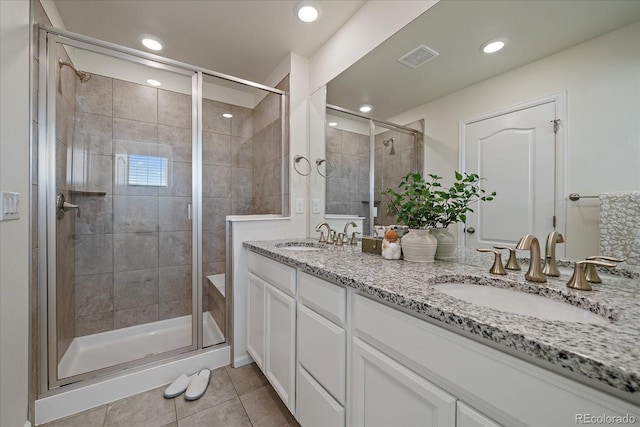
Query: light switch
column 315, row 206
column 9, row 203
column 299, row 206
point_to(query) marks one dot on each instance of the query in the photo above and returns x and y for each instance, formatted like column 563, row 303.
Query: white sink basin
column 516, row 302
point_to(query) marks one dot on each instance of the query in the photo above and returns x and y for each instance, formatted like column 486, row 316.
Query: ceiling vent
column 418, row 56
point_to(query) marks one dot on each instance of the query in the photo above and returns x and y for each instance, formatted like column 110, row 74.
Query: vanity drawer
column 322, row 350
column 315, row 406
column 279, row 275
column 326, row 298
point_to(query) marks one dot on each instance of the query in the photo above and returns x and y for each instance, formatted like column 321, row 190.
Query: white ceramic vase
column 419, row 246
column 446, row 243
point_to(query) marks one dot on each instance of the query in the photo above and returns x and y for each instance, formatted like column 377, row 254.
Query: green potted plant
column 413, row 204
column 425, row 204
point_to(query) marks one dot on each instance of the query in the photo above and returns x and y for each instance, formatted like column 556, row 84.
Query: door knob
column 470, row 230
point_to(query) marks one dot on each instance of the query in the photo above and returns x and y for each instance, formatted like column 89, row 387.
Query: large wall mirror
column 583, row 55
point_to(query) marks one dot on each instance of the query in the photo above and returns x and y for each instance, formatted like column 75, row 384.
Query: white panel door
column 386, row 393
column 256, row 324
column 515, row 153
column 280, row 350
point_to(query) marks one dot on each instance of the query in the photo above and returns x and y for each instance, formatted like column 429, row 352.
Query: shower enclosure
column 140, row 159
column 364, row 157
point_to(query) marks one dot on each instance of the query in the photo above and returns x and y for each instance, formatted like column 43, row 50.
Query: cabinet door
column 386, row 393
column 256, row 320
column 469, row 417
column 280, row 354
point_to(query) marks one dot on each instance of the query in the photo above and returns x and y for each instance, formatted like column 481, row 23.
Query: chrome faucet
column 550, row 268
column 346, row 230
column 534, row 274
column 322, row 238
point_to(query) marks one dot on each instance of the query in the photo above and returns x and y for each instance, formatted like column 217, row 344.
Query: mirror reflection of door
column 515, row 154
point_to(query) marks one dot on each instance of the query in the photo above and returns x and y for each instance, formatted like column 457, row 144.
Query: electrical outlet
column 299, row 206
column 315, row 206
column 9, row 205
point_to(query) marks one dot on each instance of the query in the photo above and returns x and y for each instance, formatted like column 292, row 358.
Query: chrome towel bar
column 575, row 196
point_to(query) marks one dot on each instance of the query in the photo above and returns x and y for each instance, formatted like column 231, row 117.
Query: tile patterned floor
column 235, row 397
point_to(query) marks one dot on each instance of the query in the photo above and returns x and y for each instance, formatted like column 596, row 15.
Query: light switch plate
column 315, row 206
column 9, row 205
column 299, row 206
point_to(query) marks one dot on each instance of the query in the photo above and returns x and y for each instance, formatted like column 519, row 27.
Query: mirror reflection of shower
column 386, row 144
column 84, row 77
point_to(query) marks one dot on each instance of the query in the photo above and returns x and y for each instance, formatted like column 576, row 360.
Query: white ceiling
column 242, row 38
column 456, row 29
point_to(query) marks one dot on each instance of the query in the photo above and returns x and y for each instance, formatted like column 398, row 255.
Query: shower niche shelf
column 87, row 193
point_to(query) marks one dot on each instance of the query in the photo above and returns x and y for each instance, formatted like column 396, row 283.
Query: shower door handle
column 64, row 206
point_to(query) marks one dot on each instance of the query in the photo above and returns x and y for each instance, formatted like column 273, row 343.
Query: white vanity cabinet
column 386, row 393
column 322, row 352
column 271, row 330
column 502, row 389
column 339, row 358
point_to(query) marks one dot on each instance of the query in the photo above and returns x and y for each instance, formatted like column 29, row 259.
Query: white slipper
column 198, row 385
column 178, row 387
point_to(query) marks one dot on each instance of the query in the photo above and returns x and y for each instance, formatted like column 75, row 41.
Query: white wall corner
column 371, row 25
column 53, row 13
column 15, row 128
column 299, row 141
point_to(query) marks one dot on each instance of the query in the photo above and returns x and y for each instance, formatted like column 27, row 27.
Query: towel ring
column 296, row 160
column 320, row 161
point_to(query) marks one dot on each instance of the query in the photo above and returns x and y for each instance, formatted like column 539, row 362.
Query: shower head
column 386, row 144
column 84, row 77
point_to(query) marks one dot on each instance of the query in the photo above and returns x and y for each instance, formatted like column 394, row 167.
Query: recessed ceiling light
column 333, row 124
column 227, row 115
column 151, row 42
column 153, row 82
column 366, row 108
column 307, row 10
column 493, row 46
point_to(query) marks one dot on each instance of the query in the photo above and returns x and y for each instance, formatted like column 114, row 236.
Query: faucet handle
column 591, row 273
column 353, row 240
column 512, row 263
column 339, row 239
column 497, row 267
column 579, row 280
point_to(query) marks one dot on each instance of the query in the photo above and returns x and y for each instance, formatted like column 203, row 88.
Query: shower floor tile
column 235, row 397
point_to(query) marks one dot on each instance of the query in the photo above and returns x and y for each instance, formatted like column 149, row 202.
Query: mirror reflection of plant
column 421, row 203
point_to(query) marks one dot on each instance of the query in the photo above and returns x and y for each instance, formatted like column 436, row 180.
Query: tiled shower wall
column 227, row 175
column 390, row 168
column 65, row 228
column 348, row 183
column 133, row 243
column 268, row 154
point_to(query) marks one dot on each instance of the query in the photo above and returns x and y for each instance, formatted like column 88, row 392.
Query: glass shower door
column 118, row 171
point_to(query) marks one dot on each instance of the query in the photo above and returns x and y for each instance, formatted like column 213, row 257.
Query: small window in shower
column 150, row 171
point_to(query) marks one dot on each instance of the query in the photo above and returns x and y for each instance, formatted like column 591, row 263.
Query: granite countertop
column 608, row 353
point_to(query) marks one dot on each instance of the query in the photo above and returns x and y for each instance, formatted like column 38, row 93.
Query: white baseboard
column 241, row 360
column 82, row 398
